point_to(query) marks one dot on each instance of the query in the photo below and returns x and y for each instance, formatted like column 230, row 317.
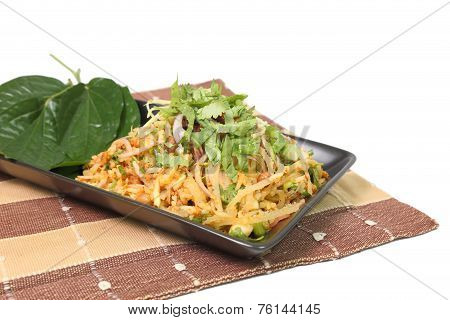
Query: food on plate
column 209, row 158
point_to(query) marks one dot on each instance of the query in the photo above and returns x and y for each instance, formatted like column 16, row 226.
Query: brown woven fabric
column 150, row 274
column 39, row 220
column 4, row 176
column 53, row 247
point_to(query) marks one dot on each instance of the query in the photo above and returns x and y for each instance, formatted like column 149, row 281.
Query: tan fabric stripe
column 328, row 202
column 15, row 190
column 37, row 253
column 350, row 190
column 358, row 191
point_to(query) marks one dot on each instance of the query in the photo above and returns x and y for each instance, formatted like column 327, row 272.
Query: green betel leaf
column 87, row 119
column 21, row 101
column 131, row 117
column 70, row 172
column 48, row 124
column 37, row 144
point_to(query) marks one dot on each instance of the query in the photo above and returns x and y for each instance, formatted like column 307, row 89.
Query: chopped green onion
column 237, row 233
column 259, row 229
column 122, row 170
column 306, row 194
column 290, row 185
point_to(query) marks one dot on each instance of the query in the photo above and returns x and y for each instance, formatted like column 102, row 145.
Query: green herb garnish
column 122, row 170
column 228, row 193
column 170, row 160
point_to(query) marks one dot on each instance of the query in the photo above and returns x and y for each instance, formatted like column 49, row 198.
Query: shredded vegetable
column 210, row 159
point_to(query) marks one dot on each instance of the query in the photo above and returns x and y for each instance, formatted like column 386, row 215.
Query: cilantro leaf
column 199, row 138
column 169, row 160
column 276, row 139
column 189, row 114
column 212, row 110
column 234, row 98
column 200, row 97
column 241, row 128
column 238, row 110
column 216, row 89
column 291, row 152
column 246, row 146
column 175, row 93
column 228, row 116
column 231, row 172
column 242, row 162
column 227, row 160
column 212, row 149
column 314, row 174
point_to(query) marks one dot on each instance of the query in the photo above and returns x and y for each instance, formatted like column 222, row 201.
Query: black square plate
column 336, row 163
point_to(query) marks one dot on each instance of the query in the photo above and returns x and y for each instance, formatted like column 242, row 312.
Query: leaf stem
column 47, row 101
column 76, row 74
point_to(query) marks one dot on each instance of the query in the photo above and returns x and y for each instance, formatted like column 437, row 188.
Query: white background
column 391, row 110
